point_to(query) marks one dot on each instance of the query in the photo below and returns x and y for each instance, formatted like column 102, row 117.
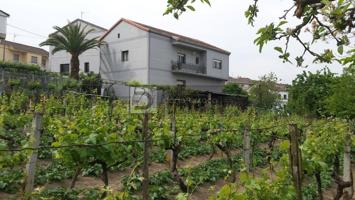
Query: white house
column 134, row 51
column 89, row 60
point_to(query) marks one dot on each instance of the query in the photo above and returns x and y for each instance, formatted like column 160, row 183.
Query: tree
column 73, row 39
column 263, row 93
column 309, row 91
column 233, row 89
column 331, row 20
column 341, row 101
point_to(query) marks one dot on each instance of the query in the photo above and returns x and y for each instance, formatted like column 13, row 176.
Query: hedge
column 19, row 67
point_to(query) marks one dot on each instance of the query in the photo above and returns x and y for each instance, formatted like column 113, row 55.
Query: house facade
column 132, row 51
column 3, row 24
column 20, row 53
column 89, row 60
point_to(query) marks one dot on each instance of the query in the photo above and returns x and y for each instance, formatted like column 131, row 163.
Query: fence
column 53, row 83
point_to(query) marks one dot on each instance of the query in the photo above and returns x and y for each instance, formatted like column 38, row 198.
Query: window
column 34, row 59
column 124, row 56
column 16, row 58
column 217, row 64
column 86, row 67
column 181, row 58
column 64, row 69
column 197, row 61
column 118, row 35
column 285, row 96
column 44, row 61
column 181, row 82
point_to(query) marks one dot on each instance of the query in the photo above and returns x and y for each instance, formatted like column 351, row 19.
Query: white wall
column 136, row 68
column 91, row 56
column 3, row 24
column 282, row 100
column 162, row 52
column 150, row 60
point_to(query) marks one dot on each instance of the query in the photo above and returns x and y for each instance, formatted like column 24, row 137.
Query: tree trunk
column 104, row 177
column 340, row 189
column 74, row 67
column 75, row 177
column 104, row 173
column 319, row 184
column 226, row 151
column 175, row 155
column 175, row 172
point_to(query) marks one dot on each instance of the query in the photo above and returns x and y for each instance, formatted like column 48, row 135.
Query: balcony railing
column 188, row 68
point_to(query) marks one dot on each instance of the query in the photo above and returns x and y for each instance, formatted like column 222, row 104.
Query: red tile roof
column 247, row 81
column 27, row 48
column 241, row 80
column 167, row 34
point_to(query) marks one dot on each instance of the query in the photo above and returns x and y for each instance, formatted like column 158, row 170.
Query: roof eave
column 138, row 25
column 7, row 15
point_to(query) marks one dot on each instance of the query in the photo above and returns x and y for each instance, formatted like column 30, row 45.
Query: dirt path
column 115, row 178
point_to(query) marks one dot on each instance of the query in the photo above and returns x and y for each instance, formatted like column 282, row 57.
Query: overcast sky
column 222, row 25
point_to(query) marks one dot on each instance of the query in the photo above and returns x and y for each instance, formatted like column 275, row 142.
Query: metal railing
column 190, row 68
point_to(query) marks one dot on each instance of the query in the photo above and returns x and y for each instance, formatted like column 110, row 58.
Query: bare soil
column 115, row 178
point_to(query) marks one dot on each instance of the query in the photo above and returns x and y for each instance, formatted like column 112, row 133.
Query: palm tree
column 72, row 39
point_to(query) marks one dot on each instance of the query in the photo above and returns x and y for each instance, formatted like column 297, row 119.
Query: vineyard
column 78, row 146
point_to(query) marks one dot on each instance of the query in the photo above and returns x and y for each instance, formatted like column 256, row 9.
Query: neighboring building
column 3, row 24
column 20, row 53
column 247, row 84
column 89, row 60
column 244, row 83
column 137, row 52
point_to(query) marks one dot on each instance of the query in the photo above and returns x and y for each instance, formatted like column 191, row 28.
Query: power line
column 24, row 30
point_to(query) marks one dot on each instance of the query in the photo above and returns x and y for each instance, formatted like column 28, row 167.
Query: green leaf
column 279, row 49
column 284, row 145
column 191, row 7
column 282, row 23
column 341, row 49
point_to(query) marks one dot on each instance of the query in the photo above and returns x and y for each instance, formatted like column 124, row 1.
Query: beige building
column 20, row 53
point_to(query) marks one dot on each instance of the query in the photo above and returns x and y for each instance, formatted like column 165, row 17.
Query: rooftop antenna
column 15, row 37
column 81, row 14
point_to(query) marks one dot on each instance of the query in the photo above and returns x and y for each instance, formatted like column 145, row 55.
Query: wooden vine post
column 145, row 184
column 31, row 165
column 347, row 165
column 247, row 150
column 172, row 159
column 295, row 159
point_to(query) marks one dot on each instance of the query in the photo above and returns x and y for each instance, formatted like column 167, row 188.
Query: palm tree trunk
column 74, row 67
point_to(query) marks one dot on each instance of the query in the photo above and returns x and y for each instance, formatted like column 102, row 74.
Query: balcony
column 188, row 68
